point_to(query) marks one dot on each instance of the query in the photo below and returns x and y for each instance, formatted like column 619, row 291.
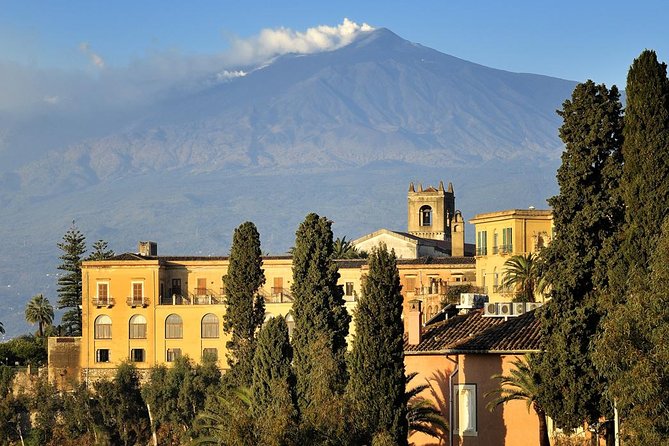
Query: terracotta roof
column 474, row 333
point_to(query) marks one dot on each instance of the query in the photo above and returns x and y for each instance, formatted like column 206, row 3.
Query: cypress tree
column 69, row 283
column 586, row 213
column 318, row 306
column 273, row 387
column 629, row 349
column 245, row 308
column 376, row 365
column 645, row 180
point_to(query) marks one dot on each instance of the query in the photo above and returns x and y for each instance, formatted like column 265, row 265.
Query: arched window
column 210, row 326
column 174, row 327
column 103, row 327
column 425, row 216
column 290, row 321
column 138, row 327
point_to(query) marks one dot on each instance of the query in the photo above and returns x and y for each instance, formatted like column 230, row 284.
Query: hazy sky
column 569, row 39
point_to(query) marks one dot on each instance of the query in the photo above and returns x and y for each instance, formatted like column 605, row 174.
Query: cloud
column 274, row 42
column 95, row 59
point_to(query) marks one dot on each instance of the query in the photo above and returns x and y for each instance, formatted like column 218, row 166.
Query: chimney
column 147, row 249
column 414, row 322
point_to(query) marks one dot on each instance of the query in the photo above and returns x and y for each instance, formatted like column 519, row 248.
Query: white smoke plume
column 274, row 42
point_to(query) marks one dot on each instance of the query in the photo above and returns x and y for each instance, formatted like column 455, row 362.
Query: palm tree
column 423, row 416
column 227, row 420
column 522, row 384
column 344, row 249
column 2, row 328
column 39, row 311
column 522, row 273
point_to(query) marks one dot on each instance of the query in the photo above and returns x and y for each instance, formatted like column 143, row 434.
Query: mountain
column 341, row 132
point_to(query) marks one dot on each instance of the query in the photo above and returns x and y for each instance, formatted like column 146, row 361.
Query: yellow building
column 152, row 309
column 500, row 235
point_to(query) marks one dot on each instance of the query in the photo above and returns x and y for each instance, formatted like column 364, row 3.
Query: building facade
column 501, row 235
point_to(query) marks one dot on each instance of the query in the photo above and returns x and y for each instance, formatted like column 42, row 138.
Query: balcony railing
column 495, row 250
column 200, row 296
column 135, row 301
column 481, row 250
column 505, row 249
column 103, row 302
column 276, row 295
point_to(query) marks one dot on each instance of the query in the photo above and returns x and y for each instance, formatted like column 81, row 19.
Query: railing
column 201, row 296
column 276, row 295
column 481, row 250
column 505, row 249
column 103, row 302
column 135, row 301
column 495, row 250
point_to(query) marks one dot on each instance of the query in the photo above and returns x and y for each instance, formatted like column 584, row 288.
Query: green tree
column 628, row 327
column 45, row 405
column 175, row 396
column 320, row 315
column 14, row 414
column 39, row 311
column 376, row 363
column 521, row 274
column 69, row 283
column 634, row 354
column 245, row 308
column 122, row 409
column 587, row 213
column 344, row 249
column 422, row 414
column 522, row 383
column 273, row 387
column 646, row 158
column 227, row 420
column 101, row 251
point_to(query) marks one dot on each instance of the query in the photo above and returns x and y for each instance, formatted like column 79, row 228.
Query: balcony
column 481, row 250
column 505, row 249
column 103, row 302
column 200, row 296
column 136, row 301
column 276, row 295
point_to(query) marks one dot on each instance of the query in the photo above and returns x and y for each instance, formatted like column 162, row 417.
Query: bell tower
column 431, row 211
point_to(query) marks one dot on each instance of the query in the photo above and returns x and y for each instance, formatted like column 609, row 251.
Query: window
column 103, row 293
column 210, row 326
column 174, row 328
column 137, row 293
column 173, row 354
column 138, row 327
column 495, row 242
column 507, row 240
column 103, row 327
column 426, row 216
column 465, row 409
column 137, row 355
column 482, row 243
column 102, row 355
column 410, row 283
column 210, row 353
column 349, row 288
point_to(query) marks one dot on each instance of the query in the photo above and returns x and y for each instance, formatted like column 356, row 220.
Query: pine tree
column 273, row 387
column 245, row 308
column 320, row 315
column 101, row 251
column 376, row 366
column 69, row 283
column 587, row 214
